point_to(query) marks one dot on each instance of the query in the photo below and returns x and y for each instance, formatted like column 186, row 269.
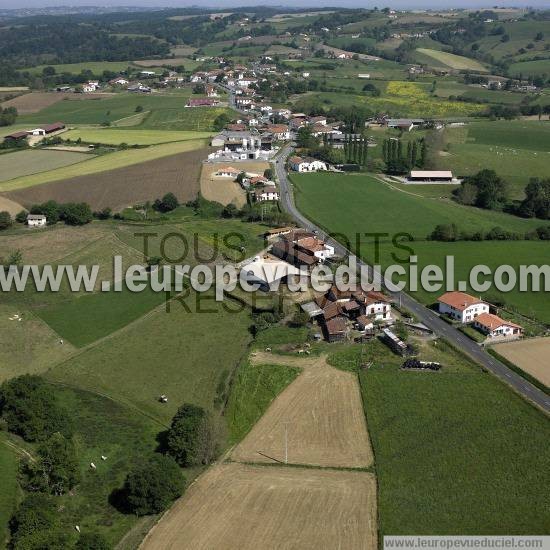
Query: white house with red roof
column 493, row 326
column 461, row 306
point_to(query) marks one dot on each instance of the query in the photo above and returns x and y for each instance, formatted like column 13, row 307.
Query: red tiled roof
column 336, row 325
column 459, row 300
column 492, row 322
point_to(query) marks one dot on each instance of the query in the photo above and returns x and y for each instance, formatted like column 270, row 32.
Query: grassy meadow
column 517, row 150
column 364, row 204
column 253, row 390
column 437, row 58
column 29, row 162
column 456, row 452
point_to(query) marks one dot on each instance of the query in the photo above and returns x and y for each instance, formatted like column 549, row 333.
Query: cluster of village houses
column 359, row 314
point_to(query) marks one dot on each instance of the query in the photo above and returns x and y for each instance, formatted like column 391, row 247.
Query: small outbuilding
column 36, row 220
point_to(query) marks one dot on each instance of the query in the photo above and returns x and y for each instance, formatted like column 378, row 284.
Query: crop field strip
column 103, row 163
column 29, row 162
column 322, row 411
column 126, row 186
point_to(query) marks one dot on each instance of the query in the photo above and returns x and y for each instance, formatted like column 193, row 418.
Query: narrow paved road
column 422, row 313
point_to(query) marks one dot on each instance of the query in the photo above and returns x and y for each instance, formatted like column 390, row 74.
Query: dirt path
column 237, row 506
column 322, row 414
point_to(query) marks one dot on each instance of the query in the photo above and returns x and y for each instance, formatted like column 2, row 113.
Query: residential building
column 461, row 306
column 493, row 326
column 266, row 193
column 299, row 164
column 227, row 172
column 36, row 220
column 280, row 132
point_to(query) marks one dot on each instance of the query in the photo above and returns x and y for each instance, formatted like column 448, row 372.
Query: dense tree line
column 70, row 213
column 452, row 233
column 398, row 160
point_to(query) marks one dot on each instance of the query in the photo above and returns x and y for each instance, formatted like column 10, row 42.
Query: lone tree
column 5, row 220
column 190, row 439
column 151, row 487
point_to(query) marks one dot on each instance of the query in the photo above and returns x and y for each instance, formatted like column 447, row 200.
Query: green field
column 363, row 204
column 182, row 353
column 452, row 454
column 26, row 163
column 254, row 388
column 8, row 481
column 517, row 150
column 109, row 109
column 530, row 68
column 115, row 136
column 104, row 427
column 449, row 60
column 110, row 161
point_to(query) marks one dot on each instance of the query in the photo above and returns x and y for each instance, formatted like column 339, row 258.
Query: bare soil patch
column 250, row 507
column 117, row 189
column 323, row 415
column 225, row 190
column 530, row 356
column 36, row 101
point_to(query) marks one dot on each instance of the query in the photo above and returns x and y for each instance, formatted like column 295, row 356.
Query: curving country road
column 422, row 313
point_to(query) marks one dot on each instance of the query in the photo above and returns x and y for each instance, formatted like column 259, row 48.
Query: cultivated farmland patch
column 322, row 412
column 25, row 163
column 36, row 101
column 251, row 507
column 530, row 356
column 126, row 186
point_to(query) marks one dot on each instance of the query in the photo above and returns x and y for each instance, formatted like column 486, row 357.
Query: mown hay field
column 249, row 507
column 28, row 162
column 445, row 59
column 115, row 136
column 122, row 187
column 323, row 415
column 530, row 356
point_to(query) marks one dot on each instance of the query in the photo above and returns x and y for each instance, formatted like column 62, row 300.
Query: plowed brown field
column 122, row 187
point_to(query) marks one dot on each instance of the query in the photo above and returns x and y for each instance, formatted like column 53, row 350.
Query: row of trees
column 397, row 160
column 451, row 233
